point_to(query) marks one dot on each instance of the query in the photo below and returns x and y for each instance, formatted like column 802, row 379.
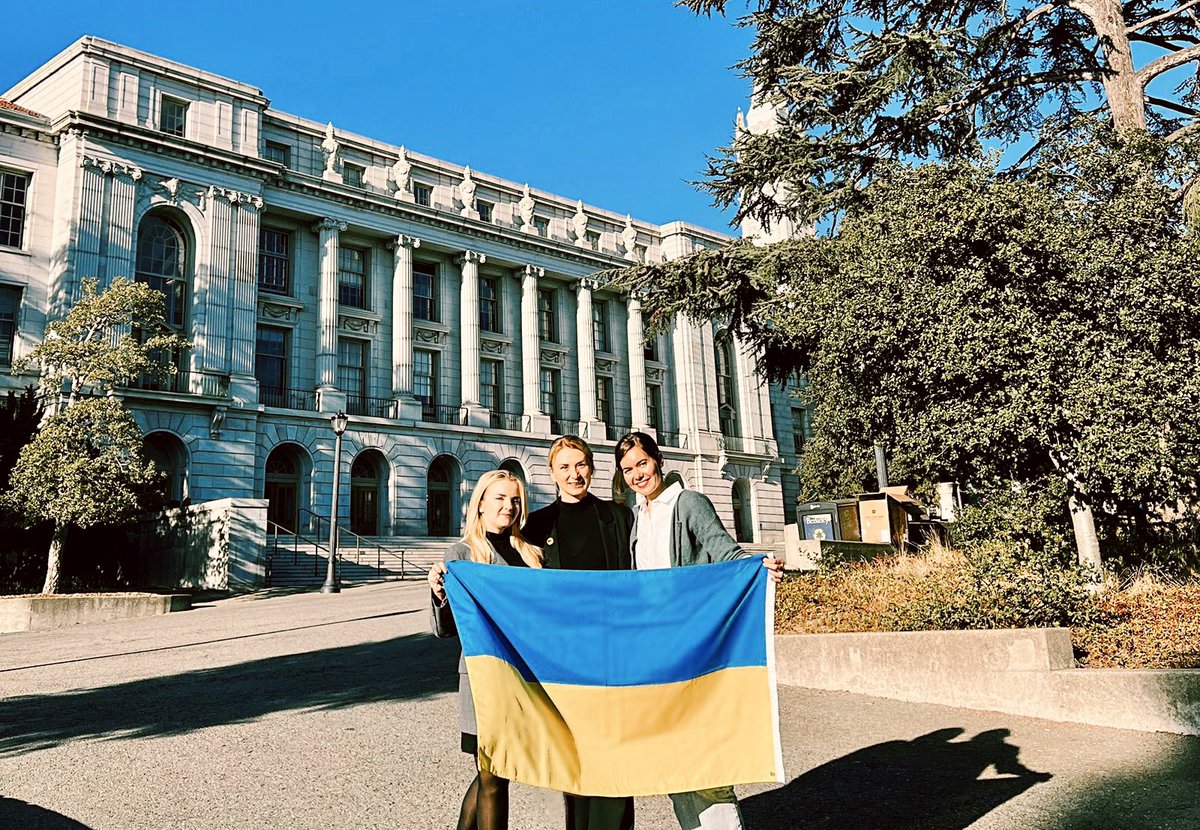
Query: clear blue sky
column 613, row 102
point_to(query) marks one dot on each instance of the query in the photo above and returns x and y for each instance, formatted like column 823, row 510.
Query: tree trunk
column 1123, row 88
column 1087, row 543
column 54, row 560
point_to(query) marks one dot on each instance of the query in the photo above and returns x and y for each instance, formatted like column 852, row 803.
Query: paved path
column 307, row 711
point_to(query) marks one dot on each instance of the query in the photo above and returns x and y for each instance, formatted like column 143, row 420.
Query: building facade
column 452, row 314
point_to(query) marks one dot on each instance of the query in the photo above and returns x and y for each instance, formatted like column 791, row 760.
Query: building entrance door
column 281, row 504
column 364, row 496
column 439, row 499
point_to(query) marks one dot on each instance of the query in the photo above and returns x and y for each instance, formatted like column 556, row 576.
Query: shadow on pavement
column 15, row 813
column 931, row 782
column 1164, row 795
column 405, row 668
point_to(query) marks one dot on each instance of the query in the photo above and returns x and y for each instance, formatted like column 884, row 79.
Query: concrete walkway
column 308, row 711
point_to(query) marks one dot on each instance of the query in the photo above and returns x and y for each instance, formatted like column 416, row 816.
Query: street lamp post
column 332, row 586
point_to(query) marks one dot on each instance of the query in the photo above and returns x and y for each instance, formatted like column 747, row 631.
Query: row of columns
column 469, row 331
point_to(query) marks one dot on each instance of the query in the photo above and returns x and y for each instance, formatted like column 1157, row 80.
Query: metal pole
column 331, row 585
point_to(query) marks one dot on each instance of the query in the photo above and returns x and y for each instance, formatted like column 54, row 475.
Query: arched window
column 726, row 386
column 743, row 513
column 162, row 264
column 170, row 457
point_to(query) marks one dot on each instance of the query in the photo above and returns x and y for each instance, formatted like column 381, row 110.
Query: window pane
column 489, row 304
column 10, row 304
column 491, row 379
column 654, row 406
column 600, row 325
column 270, row 365
column 547, row 315
column 278, row 153
column 425, row 384
column 549, row 390
column 352, row 277
column 174, row 116
column 160, row 263
column 352, row 367
column 13, row 190
column 423, row 194
column 274, row 264
column 425, row 291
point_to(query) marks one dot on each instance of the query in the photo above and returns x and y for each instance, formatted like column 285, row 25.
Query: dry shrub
column 1147, row 625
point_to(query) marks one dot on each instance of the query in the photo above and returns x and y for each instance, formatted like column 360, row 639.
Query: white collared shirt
column 654, row 523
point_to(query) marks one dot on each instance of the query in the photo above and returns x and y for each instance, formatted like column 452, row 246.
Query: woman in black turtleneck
column 580, row 532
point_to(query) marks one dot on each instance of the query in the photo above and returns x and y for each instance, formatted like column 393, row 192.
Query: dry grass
column 1140, row 623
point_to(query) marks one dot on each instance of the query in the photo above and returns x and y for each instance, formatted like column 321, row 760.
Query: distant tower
column 763, row 119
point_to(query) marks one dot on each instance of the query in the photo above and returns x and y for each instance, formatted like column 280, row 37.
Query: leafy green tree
column 86, row 466
column 858, row 83
column 990, row 330
column 106, row 339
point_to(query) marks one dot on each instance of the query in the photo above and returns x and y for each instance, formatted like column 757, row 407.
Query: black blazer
column 616, row 522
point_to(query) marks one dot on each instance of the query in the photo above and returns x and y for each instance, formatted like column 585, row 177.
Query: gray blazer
column 441, row 621
column 697, row 535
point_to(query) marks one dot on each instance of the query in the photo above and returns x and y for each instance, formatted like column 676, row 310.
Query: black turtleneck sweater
column 502, row 544
column 580, row 545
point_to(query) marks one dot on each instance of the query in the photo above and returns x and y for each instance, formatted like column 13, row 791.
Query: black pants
column 592, row 812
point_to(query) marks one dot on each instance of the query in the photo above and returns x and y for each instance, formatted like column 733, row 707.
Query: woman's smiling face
column 641, row 472
column 500, row 507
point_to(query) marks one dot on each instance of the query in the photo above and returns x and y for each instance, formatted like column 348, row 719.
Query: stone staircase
column 299, row 562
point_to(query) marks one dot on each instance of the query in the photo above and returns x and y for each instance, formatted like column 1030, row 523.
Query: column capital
column 532, row 271
column 585, row 284
column 403, row 241
column 470, row 257
column 329, row 225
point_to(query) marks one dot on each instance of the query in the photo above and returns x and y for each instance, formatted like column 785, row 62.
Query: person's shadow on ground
column 22, row 814
column 929, row 782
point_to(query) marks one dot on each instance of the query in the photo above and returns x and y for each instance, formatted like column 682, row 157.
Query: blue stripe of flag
column 613, row 628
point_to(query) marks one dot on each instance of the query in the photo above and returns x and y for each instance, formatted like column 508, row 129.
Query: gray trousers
column 715, row 809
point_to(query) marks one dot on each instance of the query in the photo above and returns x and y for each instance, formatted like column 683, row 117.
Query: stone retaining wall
column 36, row 613
column 1022, row 672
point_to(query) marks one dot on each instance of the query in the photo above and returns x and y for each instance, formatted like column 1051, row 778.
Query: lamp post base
column 331, row 588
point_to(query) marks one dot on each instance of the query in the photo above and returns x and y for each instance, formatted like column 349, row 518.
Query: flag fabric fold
column 622, row 682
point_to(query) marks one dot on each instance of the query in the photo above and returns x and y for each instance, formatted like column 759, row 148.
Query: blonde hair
column 573, row 442
column 475, row 536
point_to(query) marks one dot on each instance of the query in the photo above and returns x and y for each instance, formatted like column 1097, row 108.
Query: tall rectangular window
column 425, row 382
column 548, row 315
column 352, row 277
column 422, row 194
column 485, row 210
column 10, row 307
column 651, row 350
column 542, row 225
column 600, row 325
column 593, row 240
column 352, row 174
column 604, row 400
column 173, row 118
column 549, row 392
column 352, row 369
column 271, row 365
column 654, row 406
column 425, row 291
column 726, row 386
column 491, row 384
column 799, row 429
column 489, row 304
column 278, row 153
column 274, row 261
column 14, row 188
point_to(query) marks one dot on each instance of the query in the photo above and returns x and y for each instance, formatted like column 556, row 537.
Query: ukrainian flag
column 622, row 682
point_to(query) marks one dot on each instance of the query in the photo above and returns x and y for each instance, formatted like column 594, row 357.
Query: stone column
column 331, row 399
column 407, row 406
column 637, row 366
column 474, row 414
column 531, row 364
column 243, row 300
column 585, row 346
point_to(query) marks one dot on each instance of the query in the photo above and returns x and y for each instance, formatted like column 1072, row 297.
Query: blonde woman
column 495, row 514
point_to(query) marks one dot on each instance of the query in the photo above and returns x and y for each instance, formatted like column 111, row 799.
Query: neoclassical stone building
column 450, row 313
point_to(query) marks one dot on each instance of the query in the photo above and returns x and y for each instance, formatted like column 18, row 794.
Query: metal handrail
column 275, row 530
column 284, row 397
column 373, row 407
column 358, row 545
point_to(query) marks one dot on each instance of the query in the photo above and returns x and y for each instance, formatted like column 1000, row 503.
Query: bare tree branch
column 1168, row 62
column 1150, row 21
column 1173, row 105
